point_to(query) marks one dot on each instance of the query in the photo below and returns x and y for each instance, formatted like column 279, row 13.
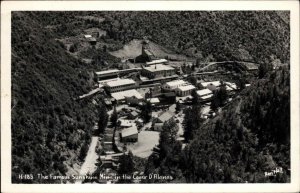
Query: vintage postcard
column 150, row 96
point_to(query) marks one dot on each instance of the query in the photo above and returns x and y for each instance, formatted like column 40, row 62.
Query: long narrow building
column 120, row 85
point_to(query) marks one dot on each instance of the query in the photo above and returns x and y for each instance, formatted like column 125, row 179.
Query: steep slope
column 227, row 35
column 48, row 126
column 249, row 137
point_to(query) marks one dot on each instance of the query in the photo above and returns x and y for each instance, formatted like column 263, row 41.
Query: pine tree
column 103, row 118
column 114, row 117
column 126, row 167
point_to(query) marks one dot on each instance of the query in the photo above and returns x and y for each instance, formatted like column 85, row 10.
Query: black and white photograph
column 150, row 97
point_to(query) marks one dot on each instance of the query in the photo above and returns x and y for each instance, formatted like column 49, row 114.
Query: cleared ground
column 143, row 148
column 88, row 167
column 134, row 49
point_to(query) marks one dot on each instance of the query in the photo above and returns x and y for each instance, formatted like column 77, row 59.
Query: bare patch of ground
column 143, row 148
column 134, row 49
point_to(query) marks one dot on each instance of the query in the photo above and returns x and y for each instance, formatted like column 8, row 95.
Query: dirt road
column 88, row 167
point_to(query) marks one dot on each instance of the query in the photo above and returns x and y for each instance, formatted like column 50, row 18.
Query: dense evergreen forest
column 50, row 129
column 249, row 137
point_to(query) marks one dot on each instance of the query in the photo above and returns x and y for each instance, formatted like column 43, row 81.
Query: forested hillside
column 48, row 126
column 249, row 137
column 257, row 36
column 244, row 35
column 51, row 130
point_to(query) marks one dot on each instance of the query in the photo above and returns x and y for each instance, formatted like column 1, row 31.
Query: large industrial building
column 131, row 96
column 184, row 90
column 107, row 74
column 120, row 85
column 157, row 71
column 172, row 85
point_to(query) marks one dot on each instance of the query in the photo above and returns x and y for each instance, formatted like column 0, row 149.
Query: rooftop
column 215, row 83
column 165, row 116
column 203, row 92
column 127, row 93
column 158, row 67
column 107, row 71
column 206, row 96
column 230, row 86
column 187, row 87
column 154, row 100
column 120, row 82
column 129, row 131
column 87, row 36
column 125, row 123
column 176, row 83
column 159, row 61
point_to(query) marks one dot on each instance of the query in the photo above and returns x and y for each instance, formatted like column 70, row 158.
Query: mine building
column 172, row 85
column 131, row 96
column 120, row 85
column 107, row 74
column 157, row 71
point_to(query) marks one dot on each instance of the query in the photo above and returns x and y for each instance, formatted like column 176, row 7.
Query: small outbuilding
column 129, row 135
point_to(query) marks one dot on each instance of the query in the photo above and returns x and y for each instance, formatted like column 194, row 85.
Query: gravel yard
column 143, row 148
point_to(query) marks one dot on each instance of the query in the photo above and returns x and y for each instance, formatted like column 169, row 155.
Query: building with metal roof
column 158, row 70
column 120, row 85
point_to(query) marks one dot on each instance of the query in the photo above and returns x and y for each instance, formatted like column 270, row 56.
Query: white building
column 204, row 94
column 157, row 70
column 170, row 86
column 113, row 73
column 154, row 101
column 130, row 96
column 184, row 90
column 120, row 85
column 129, row 135
column 159, row 61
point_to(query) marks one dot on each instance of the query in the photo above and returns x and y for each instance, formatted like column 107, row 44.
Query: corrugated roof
column 203, row 92
column 120, row 82
column 129, row 131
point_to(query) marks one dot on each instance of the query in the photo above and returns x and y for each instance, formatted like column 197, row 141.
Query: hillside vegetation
column 49, row 127
column 51, row 130
column 249, row 137
column 245, row 35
